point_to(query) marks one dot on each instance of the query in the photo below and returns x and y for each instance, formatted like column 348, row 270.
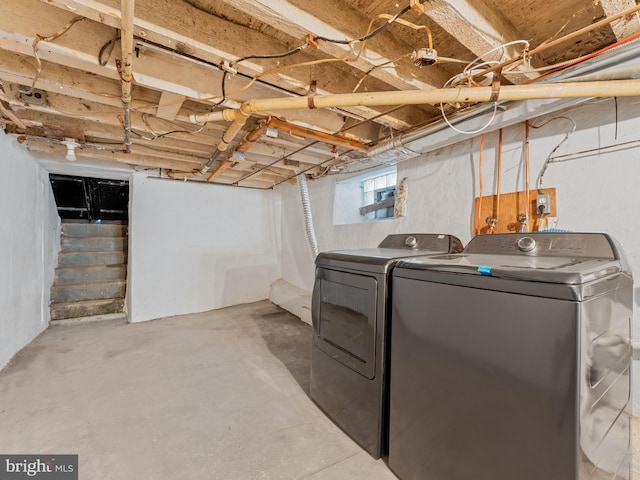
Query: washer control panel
column 526, row 244
column 422, row 241
column 411, row 241
column 578, row 245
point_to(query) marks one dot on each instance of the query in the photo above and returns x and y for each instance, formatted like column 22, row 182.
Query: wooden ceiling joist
column 478, row 27
column 129, row 159
column 624, row 27
column 278, row 14
column 186, row 29
column 188, row 52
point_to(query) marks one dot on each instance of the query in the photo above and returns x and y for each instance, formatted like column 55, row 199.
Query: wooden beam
column 184, row 28
column 386, row 203
column 111, row 137
column 625, row 26
column 129, row 159
column 170, row 105
column 5, row 108
column 478, row 27
column 336, row 140
column 154, row 69
column 104, row 120
column 297, row 22
column 226, row 179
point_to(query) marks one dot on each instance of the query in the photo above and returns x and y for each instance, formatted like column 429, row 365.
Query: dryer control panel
column 576, row 245
column 422, row 241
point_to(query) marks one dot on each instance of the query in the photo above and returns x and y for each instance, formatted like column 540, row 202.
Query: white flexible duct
column 308, row 218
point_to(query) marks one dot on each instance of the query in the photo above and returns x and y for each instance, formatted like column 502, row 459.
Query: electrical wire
column 314, row 40
column 565, row 38
column 591, row 55
column 107, row 49
column 50, row 38
column 273, row 56
column 568, row 157
column 471, row 132
column 368, row 72
column 166, row 134
column 255, row 78
column 369, row 35
column 410, row 25
column 474, row 65
column 468, row 74
column 545, row 165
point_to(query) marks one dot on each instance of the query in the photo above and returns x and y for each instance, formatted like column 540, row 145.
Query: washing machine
column 350, row 313
column 512, row 361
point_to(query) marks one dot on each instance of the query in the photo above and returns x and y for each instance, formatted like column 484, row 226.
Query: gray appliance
column 350, row 324
column 511, row 361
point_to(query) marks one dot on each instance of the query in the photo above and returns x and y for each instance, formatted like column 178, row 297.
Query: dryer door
column 344, row 318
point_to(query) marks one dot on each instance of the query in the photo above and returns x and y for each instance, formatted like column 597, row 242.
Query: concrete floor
column 218, row 395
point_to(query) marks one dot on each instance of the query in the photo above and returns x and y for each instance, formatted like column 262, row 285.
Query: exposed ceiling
column 62, row 63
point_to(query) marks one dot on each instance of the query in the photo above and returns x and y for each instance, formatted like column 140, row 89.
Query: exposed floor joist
column 178, row 71
column 478, row 28
column 196, row 38
column 278, row 14
column 624, row 27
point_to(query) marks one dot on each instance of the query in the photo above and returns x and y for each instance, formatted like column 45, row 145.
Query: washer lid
column 392, row 248
column 564, row 258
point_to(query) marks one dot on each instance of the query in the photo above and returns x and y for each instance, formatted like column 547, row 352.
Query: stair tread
column 74, row 267
column 90, row 319
column 101, row 301
column 98, row 282
column 66, row 251
column 108, row 237
column 89, row 251
column 84, row 308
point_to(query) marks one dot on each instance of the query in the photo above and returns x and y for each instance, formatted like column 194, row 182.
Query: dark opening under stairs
column 90, row 279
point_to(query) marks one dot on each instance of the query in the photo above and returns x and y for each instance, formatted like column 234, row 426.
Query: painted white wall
column 29, row 244
column 197, row 247
column 598, row 191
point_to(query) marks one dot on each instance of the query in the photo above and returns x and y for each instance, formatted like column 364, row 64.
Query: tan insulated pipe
column 239, row 118
column 126, row 75
column 610, row 88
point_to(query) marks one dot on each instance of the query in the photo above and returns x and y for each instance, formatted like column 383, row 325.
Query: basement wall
column 197, row 247
column 598, row 191
column 29, row 245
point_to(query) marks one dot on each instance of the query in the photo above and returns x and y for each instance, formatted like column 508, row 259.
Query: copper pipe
column 569, row 36
column 499, row 182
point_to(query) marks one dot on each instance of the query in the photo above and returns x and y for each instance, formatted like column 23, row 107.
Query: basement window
column 365, row 197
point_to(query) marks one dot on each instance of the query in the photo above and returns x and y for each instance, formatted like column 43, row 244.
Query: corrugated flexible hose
column 308, row 218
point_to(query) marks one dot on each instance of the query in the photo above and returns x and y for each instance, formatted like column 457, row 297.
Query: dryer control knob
column 526, row 244
column 411, row 242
